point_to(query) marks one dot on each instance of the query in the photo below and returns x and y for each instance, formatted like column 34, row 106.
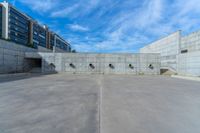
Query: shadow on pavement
column 15, row 77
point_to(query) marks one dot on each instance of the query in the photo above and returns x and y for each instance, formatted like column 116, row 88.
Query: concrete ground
column 99, row 104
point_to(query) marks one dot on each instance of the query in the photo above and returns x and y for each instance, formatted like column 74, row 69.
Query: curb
column 13, row 75
column 186, row 77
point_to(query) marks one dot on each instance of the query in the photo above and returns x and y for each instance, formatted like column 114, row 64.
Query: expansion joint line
column 100, row 100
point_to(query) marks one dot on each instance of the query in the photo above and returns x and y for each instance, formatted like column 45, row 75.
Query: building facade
column 190, row 43
column 167, row 47
column 61, row 43
column 178, row 53
column 20, row 28
column 38, row 35
column 1, row 13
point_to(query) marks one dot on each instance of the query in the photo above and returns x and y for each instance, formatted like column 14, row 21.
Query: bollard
column 72, row 65
column 92, row 66
column 131, row 66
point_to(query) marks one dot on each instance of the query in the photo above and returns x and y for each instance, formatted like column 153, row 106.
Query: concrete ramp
column 167, row 71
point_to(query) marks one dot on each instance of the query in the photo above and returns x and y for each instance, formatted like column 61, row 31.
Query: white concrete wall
column 168, row 47
column 189, row 64
column 5, row 20
column 12, row 57
column 191, row 42
column 101, row 62
column 58, row 50
column 43, row 49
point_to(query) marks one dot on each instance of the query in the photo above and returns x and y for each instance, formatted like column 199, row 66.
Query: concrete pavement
column 49, row 104
column 99, row 103
column 150, row 105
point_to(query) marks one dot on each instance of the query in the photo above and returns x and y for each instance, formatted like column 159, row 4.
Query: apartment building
column 1, row 13
column 20, row 28
column 38, row 34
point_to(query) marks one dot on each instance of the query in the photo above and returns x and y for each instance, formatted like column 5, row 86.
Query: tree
column 73, row 51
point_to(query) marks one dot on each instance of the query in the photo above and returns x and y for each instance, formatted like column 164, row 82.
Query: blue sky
column 108, row 26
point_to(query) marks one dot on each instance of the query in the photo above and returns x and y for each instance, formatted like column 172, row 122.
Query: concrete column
column 54, row 47
column 179, row 48
column 48, row 39
column 30, row 32
column 5, row 10
column 179, row 43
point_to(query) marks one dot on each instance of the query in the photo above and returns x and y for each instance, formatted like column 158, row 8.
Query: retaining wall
column 189, row 64
column 191, row 42
column 12, row 57
column 168, row 47
column 16, row 58
column 100, row 63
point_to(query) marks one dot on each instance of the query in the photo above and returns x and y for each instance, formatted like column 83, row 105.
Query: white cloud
column 40, row 5
column 65, row 12
column 188, row 6
column 150, row 13
column 121, row 25
column 89, row 6
column 121, row 33
column 76, row 27
column 77, row 9
column 129, row 29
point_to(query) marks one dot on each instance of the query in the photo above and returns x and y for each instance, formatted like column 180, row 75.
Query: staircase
column 167, row 71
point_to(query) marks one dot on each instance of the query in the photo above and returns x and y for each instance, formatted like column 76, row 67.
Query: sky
column 113, row 26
